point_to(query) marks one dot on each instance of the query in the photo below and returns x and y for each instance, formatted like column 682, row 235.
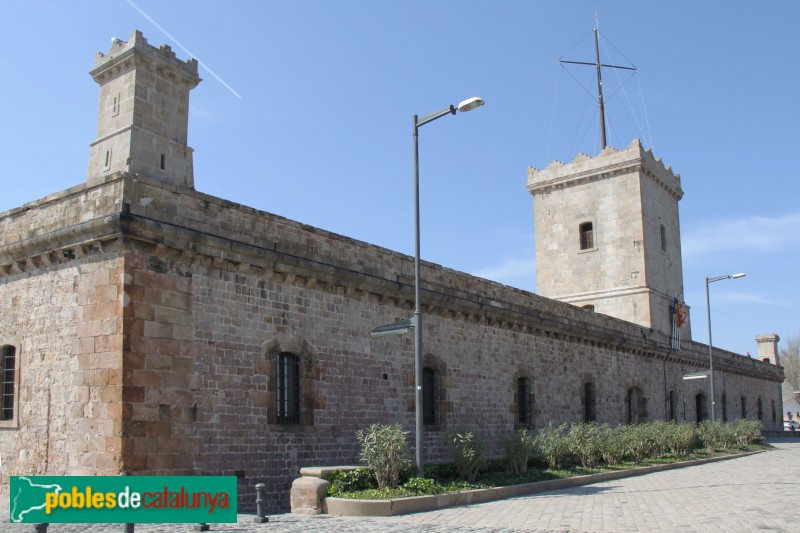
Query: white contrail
column 165, row 32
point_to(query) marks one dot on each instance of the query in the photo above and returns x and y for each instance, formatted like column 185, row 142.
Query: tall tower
column 768, row 348
column 144, row 113
column 608, row 235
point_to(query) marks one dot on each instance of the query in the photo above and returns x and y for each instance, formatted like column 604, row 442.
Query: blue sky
column 307, row 109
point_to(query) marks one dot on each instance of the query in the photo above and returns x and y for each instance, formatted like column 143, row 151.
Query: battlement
column 122, row 51
column 609, row 162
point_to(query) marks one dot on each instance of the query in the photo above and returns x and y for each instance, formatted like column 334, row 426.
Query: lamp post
column 467, row 105
column 709, row 281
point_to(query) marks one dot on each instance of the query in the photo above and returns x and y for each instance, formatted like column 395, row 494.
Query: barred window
column 589, row 414
column 586, row 231
column 8, row 356
column 672, row 405
column 724, row 408
column 523, row 401
column 429, row 411
column 288, row 388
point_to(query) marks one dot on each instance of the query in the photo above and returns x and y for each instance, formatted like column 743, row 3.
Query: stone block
column 308, row 495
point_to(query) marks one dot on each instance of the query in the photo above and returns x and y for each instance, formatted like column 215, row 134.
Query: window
column 774, row 413
column 429, row 414
column 163, row 162
column 700, row 407
column 8, row 356
column 589, row 414
column 663, row 238
column 589, row 307
column 672, row 404
column 744, row 408
column 724, row 408
column 759, row 410
column 288, row 388
column 634, row 406
column 523, row 402
column 586, row 231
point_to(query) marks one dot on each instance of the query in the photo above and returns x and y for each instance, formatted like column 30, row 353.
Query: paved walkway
column 755, row 493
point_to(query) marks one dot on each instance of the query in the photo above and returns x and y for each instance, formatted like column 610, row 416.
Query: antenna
column 597, row 64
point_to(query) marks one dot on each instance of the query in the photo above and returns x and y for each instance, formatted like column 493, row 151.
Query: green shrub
column 614, row 444
column 469, row 453
column 585, row 441
column 641, row 441
column 422, row 486
column 553, row 445
column 350, row 481
column 681, row 439
column 385, row 450
column 747, row 432
column 717, row 436
column 519, row 447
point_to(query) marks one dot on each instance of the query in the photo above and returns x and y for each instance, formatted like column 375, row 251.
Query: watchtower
column 608, row 235
column 768, row 348
column 143, row 116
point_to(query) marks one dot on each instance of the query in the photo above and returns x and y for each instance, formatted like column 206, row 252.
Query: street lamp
column 709, row 281
column 466, row 105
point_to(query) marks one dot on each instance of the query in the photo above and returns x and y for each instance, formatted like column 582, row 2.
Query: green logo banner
column 123, row 499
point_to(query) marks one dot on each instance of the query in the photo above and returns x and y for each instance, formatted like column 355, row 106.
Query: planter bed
column 416, row 504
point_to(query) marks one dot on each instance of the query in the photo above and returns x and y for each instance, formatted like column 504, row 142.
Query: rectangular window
column 428, row 396
column 663, row 238
column 8, row 355
column 523, row 402
column 588, row 403
column 288, row 388
column 586, row 231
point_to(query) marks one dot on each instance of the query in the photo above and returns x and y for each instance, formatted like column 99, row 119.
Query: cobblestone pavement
column 756, row 493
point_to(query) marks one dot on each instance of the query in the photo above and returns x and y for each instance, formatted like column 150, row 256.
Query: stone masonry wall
column 156, row 328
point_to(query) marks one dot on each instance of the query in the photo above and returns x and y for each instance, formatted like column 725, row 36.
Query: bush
column 641, row 440
column 585, row 441
column 519, row 447
column 384, row 449
column 681, row 439
column 422, row 486
column 469, row 453
column 614, row 445
column 350, row 481
column 747, row 432
column 553, row 445
column 717, row 436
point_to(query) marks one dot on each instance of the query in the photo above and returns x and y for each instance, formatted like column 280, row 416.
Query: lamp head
column 739, row 275
column 470, row 103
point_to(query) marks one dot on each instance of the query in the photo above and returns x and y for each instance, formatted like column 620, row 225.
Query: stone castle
column 153, row 329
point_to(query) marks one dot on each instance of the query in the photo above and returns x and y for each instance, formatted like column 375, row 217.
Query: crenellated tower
column 143, row 119
column 608, row 235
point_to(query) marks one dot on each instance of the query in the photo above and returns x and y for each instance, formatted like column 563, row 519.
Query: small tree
column 553, row 445
column 586, row 443
column 469, row 453
column 519, row 447
column 385, row 450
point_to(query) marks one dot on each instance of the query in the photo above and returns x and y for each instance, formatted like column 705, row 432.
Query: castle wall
column 156, row 329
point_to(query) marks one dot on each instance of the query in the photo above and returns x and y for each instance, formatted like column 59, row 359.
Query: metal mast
column 599, row 66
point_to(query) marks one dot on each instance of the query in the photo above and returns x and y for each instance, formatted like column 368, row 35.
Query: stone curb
column 417, row 504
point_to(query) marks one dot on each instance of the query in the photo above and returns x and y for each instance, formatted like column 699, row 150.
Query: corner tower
column 608, row 235
column 143, row 117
